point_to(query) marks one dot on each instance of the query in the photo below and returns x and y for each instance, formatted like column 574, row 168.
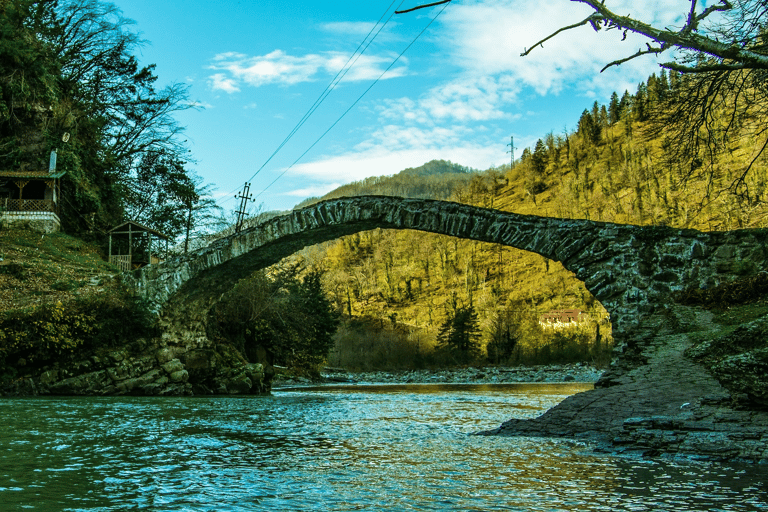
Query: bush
column 53, row 331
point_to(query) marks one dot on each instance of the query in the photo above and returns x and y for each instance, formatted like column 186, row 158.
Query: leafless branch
column 422, row 6
column 686, row 39
column 650, row 50
column 592, row 19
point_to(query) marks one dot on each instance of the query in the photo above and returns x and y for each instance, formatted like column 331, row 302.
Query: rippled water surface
column 402, row 447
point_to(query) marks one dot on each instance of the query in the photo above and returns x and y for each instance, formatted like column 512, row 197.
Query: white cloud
column 314, row 191
column 378, row 160
column 221, row 82
column 464, row 99
column 488, row 37
column 236, row 69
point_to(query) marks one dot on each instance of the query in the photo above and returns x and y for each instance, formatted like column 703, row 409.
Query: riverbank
column 578, row 372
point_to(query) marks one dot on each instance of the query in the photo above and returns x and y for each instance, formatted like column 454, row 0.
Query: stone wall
column 44, row 222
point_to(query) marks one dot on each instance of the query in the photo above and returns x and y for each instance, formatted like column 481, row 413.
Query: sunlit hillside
column 396, row 289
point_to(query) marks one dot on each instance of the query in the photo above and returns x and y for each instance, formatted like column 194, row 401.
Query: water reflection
column 334, row 448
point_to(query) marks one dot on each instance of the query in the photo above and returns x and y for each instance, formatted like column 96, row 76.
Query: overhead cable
column 353, row 104
column 364, row 44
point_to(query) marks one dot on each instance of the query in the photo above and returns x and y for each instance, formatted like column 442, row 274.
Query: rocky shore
column 578, row 372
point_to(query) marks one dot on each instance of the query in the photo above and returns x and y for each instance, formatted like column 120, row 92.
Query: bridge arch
column 632, row 270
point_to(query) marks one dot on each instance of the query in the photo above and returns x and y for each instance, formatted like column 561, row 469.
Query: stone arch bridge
column 631, row 270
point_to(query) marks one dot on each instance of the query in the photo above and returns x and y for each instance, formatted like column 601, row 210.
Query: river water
column 399, row 447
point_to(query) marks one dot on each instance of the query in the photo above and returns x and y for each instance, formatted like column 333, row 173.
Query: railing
column 122, row 262
column 28, row 205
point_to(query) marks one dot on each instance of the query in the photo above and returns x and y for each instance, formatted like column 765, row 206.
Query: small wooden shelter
column 133, row 245
column 31, row 198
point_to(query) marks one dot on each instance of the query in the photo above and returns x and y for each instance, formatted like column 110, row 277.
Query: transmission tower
column 511, row 151
column 244, row 197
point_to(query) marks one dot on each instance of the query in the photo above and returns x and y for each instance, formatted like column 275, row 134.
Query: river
column 394, row 447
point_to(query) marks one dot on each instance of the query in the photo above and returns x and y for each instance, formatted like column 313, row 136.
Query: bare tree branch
column 650, row 50
column 687, row 38
column 592, row 19
column 422, row 6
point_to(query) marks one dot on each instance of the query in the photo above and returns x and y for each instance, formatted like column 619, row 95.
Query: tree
column 69, row 81
column 460, row 334
column 614, row 110
column 539, row 158
column 158, row 194
column 733, row 42
column 504, row 336
column 589, row 128
column 202, row 214
column 281, row 313
column 29, row 84
column 723, row 50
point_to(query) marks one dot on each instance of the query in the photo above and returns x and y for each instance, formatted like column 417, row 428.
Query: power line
column 353, row 104
column 334, row 82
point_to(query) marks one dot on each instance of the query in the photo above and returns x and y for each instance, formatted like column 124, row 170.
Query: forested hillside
column 70, row 81
column 402, row 293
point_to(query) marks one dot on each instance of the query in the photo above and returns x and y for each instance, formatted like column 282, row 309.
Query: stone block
column 173, row 366
column 164, row 355
column 179, row 376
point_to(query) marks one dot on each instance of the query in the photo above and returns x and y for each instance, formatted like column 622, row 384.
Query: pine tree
column 614, row 109
column 460, row 334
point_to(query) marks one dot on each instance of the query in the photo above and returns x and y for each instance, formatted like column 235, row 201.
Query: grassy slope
column 44, row 268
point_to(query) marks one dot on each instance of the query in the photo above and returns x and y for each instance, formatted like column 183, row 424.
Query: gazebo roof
column 135, row 227
column 32, row 175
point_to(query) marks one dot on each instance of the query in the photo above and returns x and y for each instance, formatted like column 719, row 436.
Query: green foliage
column 505, row 335
column 58, row 330
column 367, row 344
column 284, row 313
column 69, row 81
column 460, row 334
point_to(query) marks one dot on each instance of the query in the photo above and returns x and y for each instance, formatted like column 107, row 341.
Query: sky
column 446, row 82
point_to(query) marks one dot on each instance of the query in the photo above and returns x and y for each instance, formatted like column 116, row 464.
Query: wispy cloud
column 394, row 149
column 360, row 29
column 488, row 37
column 220, row 82
column 236, row 69
column 464, row 99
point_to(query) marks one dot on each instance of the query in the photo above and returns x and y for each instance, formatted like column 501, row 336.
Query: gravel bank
column 579, row 372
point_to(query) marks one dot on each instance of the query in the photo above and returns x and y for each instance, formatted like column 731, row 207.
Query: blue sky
column 255, row 68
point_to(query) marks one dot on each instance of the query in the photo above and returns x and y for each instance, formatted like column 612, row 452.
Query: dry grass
column 40, row 268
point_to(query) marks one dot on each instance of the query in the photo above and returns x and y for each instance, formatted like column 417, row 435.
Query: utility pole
column 244, row 197
column 511, row 151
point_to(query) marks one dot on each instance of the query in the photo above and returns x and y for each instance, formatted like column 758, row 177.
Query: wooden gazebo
column 129, row 236
column 31, row 198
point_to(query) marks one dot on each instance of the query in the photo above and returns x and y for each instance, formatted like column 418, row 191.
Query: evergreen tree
column 625, row 105
column 589, row 128
column 460, row 334
column 614, row 109
column 640, row 103
column 539, row 158
column 504, row 335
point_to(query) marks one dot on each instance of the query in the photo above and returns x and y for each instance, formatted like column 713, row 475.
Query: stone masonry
column 631, row 270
